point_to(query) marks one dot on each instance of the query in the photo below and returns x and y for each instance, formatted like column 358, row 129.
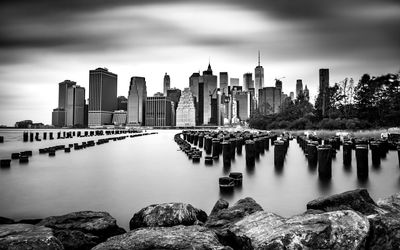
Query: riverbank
column 350, row 220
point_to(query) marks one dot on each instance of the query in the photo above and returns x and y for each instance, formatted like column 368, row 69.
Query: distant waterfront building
column 208, row 101
column 234, row 82
column 137, row 101
column 158, row 94
column 186, row 112
column 248, row 82
column 258, row 77
column 243, row 105
column 58, row 117
column 323, row 88
column 119, row 117
column 174, row 95
column 62, row 93
column 167, row 83
column 291, row 95
column 278, row 84
column 102, row 96
column 159, row 111
column 75, row 110
column 270, row 99
column 306, row 94
column 122, row 103
column 223, row 82
column 194, row 89
column 299, row 87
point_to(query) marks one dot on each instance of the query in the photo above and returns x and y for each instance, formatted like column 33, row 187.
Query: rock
column 25, row 236
column 167, row 215
column 4, row 220
column 384, row 232
column 219, row 205
column 225, row 217
column 30, row 221
column 76, row 240
column 344, row 229
column 94, row 227
column 176, row 237
column 391, row 203
column 358, row 200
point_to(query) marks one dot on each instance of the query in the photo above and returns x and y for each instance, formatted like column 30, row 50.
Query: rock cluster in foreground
column 350, row 220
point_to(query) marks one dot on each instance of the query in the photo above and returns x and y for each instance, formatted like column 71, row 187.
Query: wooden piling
column 324, row 162
column 250, row 154
column 226, row 153
column 362, row 161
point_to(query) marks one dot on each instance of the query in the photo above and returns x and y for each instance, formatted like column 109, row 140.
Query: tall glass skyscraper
column 167, row 83
column 102, row 96
column 137, row 101
column 258, row 77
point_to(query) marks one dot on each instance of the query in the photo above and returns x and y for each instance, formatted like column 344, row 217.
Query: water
column 124, row 176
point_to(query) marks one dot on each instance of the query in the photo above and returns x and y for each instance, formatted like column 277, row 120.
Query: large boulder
column 358, row 200
column 176, row 237
column 82, row 230
column 330, row 230
column 223, row 216
column 167, row 215
column 25, row 236
column 391, row 203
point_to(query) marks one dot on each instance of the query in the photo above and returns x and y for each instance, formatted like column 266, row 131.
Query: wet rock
column 391, row 203
column 384, row 232
column 358, row 200
column 25, row 236
column 167, row 215
column 344, row 229
column 30, row 221
column 222, row 218
column 4, row 220
column 219, row 205
column 94, row 227
column 176, row 237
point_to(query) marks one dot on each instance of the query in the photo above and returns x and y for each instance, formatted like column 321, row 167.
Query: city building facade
column 137, row 101
column 159, row 111
column 186, row 112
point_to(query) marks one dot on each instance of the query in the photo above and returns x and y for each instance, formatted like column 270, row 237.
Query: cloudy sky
column 44, row 42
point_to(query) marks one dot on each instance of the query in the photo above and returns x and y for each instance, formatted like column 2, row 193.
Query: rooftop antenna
column 259, row 58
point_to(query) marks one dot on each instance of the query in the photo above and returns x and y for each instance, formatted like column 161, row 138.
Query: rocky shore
column 350, row 220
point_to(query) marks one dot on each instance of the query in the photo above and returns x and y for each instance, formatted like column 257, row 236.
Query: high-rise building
column 223, row 83
column 248, row 82
column 194, row 89
column 291, row 95
column 159, row 111
column 167, row 83
column 306, row 94
column 243, row 105
column 119, row 117
column 186, row 113
column 210, row 107
column 62, row 93
column 234, row 82
column 258, row 77
column 323, row 88
column 278, row 84
column 102, row 96
column 137, row 101
column 299, row 87
column 174, row 95
column 75, row 110
column 58, row 117
column 122, row 103
column 269, row 100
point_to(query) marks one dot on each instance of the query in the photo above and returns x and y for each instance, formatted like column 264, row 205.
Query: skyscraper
column 299, row 87
column 167, row 83
column 137, row 101
column 159, row 111
column 194, row 89
column 62, row 93
column 223, row 82
column 174, row 95
column 323, row 88
column 306, row 93
column 243, row 105
column 278, row 84
column 258, row 77
column 270, row 99
column 248, row 82
column 210, row 97
column 291, row 95
column 75, row 109
column 186, row 113
column 234, row 82
column 102, row 96
column 122, row 103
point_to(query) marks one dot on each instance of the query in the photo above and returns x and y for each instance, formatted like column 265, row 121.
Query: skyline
column 44, row 43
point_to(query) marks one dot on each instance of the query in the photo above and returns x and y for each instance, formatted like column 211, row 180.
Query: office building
column 137, row 101
column 270, row 99
column 122, row 103
column 159, row 111
column 174, row 95
column 223, row 83
column 167, row 83
column 102, row 96
column 299, row 87
column 248, row 82
column 119, row 117
column 323, row 89
column 75, row 109
column 234, row 82
column 243, row 105
column 208, row 101
column 62, row 93
column 306, row 94
column 278, row 84
column 291, row 95
column 258, row 77
column 186, row 112
column 58, row 117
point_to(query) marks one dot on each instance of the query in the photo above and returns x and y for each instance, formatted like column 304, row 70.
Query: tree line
column 374, row 102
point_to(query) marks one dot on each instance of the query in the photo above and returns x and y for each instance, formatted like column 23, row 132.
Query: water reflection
column 324, row 185
column 363, row 181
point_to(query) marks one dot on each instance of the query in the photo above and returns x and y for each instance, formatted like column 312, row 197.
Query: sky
column 44, row 42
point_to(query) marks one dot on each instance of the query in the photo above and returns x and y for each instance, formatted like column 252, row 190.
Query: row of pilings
column 24, row 156
column 46, row 135
column 321, row 152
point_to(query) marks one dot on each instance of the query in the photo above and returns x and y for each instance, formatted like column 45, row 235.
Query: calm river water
column 124, row 176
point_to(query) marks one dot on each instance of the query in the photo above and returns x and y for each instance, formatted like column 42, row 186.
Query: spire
column 259, row 58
